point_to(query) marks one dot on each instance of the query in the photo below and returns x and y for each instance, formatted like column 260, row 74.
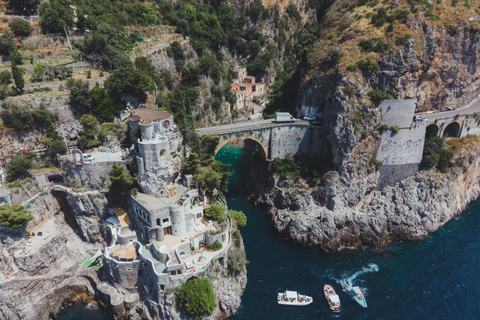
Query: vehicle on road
column 418, row 118
column 308, row 118
column 284, row 117
column 88, row 157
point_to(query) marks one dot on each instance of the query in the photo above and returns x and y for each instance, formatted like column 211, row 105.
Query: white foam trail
column 347, row 281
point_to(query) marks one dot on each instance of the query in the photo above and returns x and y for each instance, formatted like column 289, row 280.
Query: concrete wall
column 283, row 140
column 404, row 147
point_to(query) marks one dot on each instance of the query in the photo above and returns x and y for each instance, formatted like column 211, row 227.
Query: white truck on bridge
column 284, row 117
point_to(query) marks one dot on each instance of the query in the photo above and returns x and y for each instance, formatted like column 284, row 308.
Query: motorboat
column 332, row 297
column 293, row 298
column 358, row 296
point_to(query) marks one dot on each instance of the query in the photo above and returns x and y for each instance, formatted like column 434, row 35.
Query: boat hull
column 332, row 298
column 358, row 297
column 300, row 301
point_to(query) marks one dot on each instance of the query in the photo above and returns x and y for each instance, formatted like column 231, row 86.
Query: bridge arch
column 452, row 129
column 432, row 130
column 243, row 137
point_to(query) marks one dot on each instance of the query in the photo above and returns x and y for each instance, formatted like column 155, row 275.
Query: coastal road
column 473, row 107
column 250, row 125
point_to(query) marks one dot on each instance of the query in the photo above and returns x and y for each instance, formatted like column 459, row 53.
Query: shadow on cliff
column 68, row 213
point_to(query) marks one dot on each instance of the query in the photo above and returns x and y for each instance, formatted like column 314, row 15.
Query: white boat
column 293, row 298
column 357, row 295
column 332, row 297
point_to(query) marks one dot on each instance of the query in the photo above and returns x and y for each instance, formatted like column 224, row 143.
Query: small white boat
column 358, row 296
column 293, row 298
column 332, row 297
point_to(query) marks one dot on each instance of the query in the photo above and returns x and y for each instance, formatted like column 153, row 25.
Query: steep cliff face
column 429, row 53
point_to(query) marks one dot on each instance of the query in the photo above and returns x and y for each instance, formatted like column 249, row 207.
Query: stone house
column 159, row 148
column 249, row 94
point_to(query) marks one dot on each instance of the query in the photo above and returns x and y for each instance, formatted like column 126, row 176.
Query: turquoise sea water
column 437, row 278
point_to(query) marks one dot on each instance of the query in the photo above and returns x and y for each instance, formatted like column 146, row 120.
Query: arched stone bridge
column 275, row 139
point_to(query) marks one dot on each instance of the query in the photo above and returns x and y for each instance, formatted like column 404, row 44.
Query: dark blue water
column 437, row 278
column 83, row 311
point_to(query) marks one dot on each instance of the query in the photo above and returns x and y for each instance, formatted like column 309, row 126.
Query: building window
column 165, row 220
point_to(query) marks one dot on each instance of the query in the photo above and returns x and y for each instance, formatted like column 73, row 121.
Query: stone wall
column 122, row 273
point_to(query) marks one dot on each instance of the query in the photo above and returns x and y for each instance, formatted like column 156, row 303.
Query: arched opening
column 248, row 164
column 432, row 130
column 239, row 140
column 452, row 130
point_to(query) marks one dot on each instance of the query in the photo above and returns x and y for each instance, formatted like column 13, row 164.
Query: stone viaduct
column 275, row 139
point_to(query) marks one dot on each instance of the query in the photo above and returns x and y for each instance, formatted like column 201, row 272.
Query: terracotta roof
column 146, row 115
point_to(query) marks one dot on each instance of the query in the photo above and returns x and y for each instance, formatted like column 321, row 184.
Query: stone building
column 250, row 94
column 159, row 148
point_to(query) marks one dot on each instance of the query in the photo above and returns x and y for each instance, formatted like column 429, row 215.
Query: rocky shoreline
column 337, row 214
column 38, row 285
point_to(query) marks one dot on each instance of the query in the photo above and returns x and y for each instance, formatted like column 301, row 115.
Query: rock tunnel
column 452, row 129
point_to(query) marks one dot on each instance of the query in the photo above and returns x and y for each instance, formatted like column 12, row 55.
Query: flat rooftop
column 398, row 112
column 151, row 202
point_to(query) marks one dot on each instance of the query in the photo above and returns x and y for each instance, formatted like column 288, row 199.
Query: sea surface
column 437, row 278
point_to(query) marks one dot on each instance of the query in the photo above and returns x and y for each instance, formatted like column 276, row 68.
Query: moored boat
column 332, row 297
column 293, row 298
column 358, row 296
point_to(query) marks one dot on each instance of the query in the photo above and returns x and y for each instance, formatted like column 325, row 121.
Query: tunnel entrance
column 431, row 131
column 452, row 130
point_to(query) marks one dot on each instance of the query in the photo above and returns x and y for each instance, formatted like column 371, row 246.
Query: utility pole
column 69, row 44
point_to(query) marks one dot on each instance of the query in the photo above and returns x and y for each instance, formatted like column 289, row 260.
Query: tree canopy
column 196, row 298
column 129, row 81
column 56, row 15
column 14, row 216
column 20, row 27
column 17, row 167
column 25, row 7
column 239, row 217
column 215, row 212
column 122, row 182
column 7, row 42
column 58, row 147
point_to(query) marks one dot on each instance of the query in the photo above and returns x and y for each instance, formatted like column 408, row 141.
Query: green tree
column 237, row 260
column 18, row 167
column 56, row 15
column 5, row 77
column 105, row 45
column 240, row 217
column 88, row 136
column 122, row 182
column 80, row 100
column 14, row 216
column 215, row 212
column 25, row 7
column 129, row 81
column 191, row 164
column 7, row 42
column 18, row 76
column 16, row 57
column 20, row 27
column 445, row 160
column 58, row 147
column 196, row 298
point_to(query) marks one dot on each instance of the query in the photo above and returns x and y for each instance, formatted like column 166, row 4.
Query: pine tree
column 17, row 76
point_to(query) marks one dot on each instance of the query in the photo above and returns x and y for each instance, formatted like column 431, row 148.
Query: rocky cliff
column 430, row 53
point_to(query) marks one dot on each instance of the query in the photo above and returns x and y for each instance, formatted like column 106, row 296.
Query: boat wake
column 347, row 279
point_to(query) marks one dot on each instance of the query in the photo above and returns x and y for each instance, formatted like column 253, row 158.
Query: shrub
column 239, row 217
column 394, row 129
column 367, row 65
column 58, row 146
column 377, row 95
column 349, row 91
column 196, row 298
column 445, row 160
column 237, row 260
column 383, row 128
column 14, row 216
column 352, row 67
column 122, row 182
column 365, row 134
column 376, row 163
column 215, row 246
column 216, row 212
column 17, row 167
column 20, row 27
column 403, row 39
